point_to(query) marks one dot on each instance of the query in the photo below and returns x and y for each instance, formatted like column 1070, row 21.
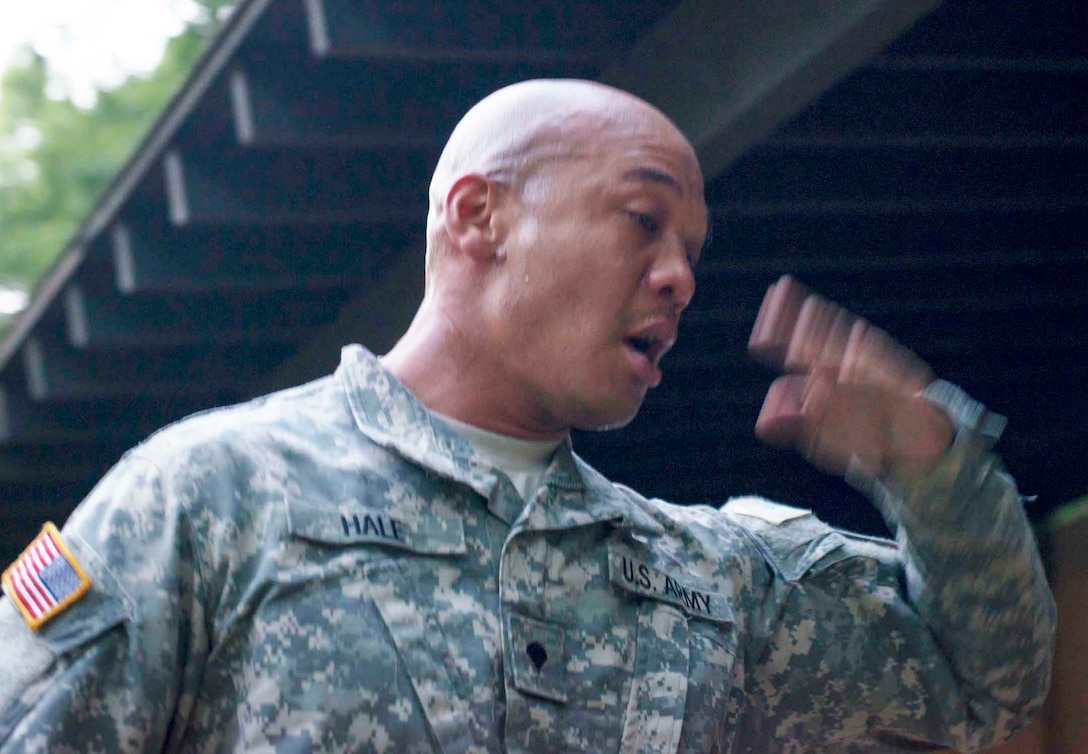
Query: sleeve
column 112, row 671
column 940, row 639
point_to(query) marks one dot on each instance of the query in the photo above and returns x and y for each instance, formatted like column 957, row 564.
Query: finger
column 873, row 356
column 799, row 331
column 816, row 400
column 795, row 414
column 856, row 362
column 810, row 335
column 781, row 418
column 838, row 336
column 775, row 322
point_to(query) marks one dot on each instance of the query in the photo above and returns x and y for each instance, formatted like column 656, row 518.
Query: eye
column 647, row 222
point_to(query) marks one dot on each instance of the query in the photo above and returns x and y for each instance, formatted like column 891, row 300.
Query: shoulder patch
column 765, row 510
column 46, row 579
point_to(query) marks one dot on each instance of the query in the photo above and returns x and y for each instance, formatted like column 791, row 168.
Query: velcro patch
column 46, row 579
column 772, row 513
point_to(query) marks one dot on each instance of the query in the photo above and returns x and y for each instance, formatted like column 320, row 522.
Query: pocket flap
column 428, row 533
column 536, row 653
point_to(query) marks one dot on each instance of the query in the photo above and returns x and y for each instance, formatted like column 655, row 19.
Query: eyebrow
column 653, row 175
column 660, row 176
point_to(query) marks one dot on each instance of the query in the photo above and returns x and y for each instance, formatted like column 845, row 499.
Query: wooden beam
column 376, row 317
column 126, row 184
column 37, row 503
column 1042, row 286
column 932, row 209
column 529, row 31
column 23, row 420
column 730, row 73
column 836, row 262
column 921, row 108
column 105, row 320
column 788, row 177
column 295, row 187
column 1009, row 30
column 28, row 506
column 57, row 372
column 884, row 305
column 55, row 464
column 121, row 421
column 342, row 108
column 377, row 106
column 150, row 259
column 758, row 239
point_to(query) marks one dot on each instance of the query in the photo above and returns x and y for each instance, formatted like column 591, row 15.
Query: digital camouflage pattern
column 331, row 568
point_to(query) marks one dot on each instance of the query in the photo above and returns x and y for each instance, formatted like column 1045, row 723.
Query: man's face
column 598, row 268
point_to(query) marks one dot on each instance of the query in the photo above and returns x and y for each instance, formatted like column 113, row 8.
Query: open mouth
column 642, row 345
column 651, row 347
column 649, row 339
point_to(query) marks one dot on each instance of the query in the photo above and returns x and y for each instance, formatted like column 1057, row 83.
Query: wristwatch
column 964, row 411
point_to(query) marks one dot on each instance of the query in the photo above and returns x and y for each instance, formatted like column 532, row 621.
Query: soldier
column 408, row 556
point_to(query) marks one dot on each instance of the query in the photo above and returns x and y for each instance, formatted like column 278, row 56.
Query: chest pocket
column 655, row 711
column 685, row 689
column 414, row 578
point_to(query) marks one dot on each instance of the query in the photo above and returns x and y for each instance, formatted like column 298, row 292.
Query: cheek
column 528, row 233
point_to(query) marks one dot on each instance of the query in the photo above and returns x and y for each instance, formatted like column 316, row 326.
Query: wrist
column 949, row 412
column 920, row 435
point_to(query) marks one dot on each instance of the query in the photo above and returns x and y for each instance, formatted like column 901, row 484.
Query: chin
column 606, row 427
column 602, row 421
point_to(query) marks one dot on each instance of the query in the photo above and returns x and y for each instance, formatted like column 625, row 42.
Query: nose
column 671, row 277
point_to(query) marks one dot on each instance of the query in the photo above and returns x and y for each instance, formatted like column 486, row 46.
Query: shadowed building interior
column 922, row 163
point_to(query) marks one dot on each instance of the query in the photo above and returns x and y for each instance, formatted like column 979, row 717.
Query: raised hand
column 849, row 389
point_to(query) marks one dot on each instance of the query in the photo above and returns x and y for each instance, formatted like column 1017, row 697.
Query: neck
column 451, row 375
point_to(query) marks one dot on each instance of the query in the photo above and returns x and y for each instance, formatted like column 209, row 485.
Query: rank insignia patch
column 45, row 579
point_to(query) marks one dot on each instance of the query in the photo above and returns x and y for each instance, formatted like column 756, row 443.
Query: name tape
column 631, row 575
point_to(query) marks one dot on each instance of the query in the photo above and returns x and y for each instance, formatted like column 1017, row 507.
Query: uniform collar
column 559, row 506
column 389, row 414
column 573, row 494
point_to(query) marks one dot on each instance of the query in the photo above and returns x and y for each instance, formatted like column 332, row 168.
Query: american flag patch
column 45, row 579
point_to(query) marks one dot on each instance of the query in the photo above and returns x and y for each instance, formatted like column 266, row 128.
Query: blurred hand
column 848, row 390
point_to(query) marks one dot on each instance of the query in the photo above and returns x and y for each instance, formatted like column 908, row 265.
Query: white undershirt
column 523, row 461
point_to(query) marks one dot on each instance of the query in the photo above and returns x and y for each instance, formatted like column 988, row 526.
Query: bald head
column 566, row 218
column 515, row 134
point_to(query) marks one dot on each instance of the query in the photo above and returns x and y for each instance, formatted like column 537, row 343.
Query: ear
column 470, row 217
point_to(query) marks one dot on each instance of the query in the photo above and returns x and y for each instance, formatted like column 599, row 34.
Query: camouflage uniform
column 331, row 568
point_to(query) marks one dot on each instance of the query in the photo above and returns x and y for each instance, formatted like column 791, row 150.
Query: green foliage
column 56, row 158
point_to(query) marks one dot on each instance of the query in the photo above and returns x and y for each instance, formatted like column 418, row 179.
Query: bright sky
column 12, row 300
column 91, row 43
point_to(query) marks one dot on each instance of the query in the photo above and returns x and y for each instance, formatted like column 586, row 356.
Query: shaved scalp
column 513, row 135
